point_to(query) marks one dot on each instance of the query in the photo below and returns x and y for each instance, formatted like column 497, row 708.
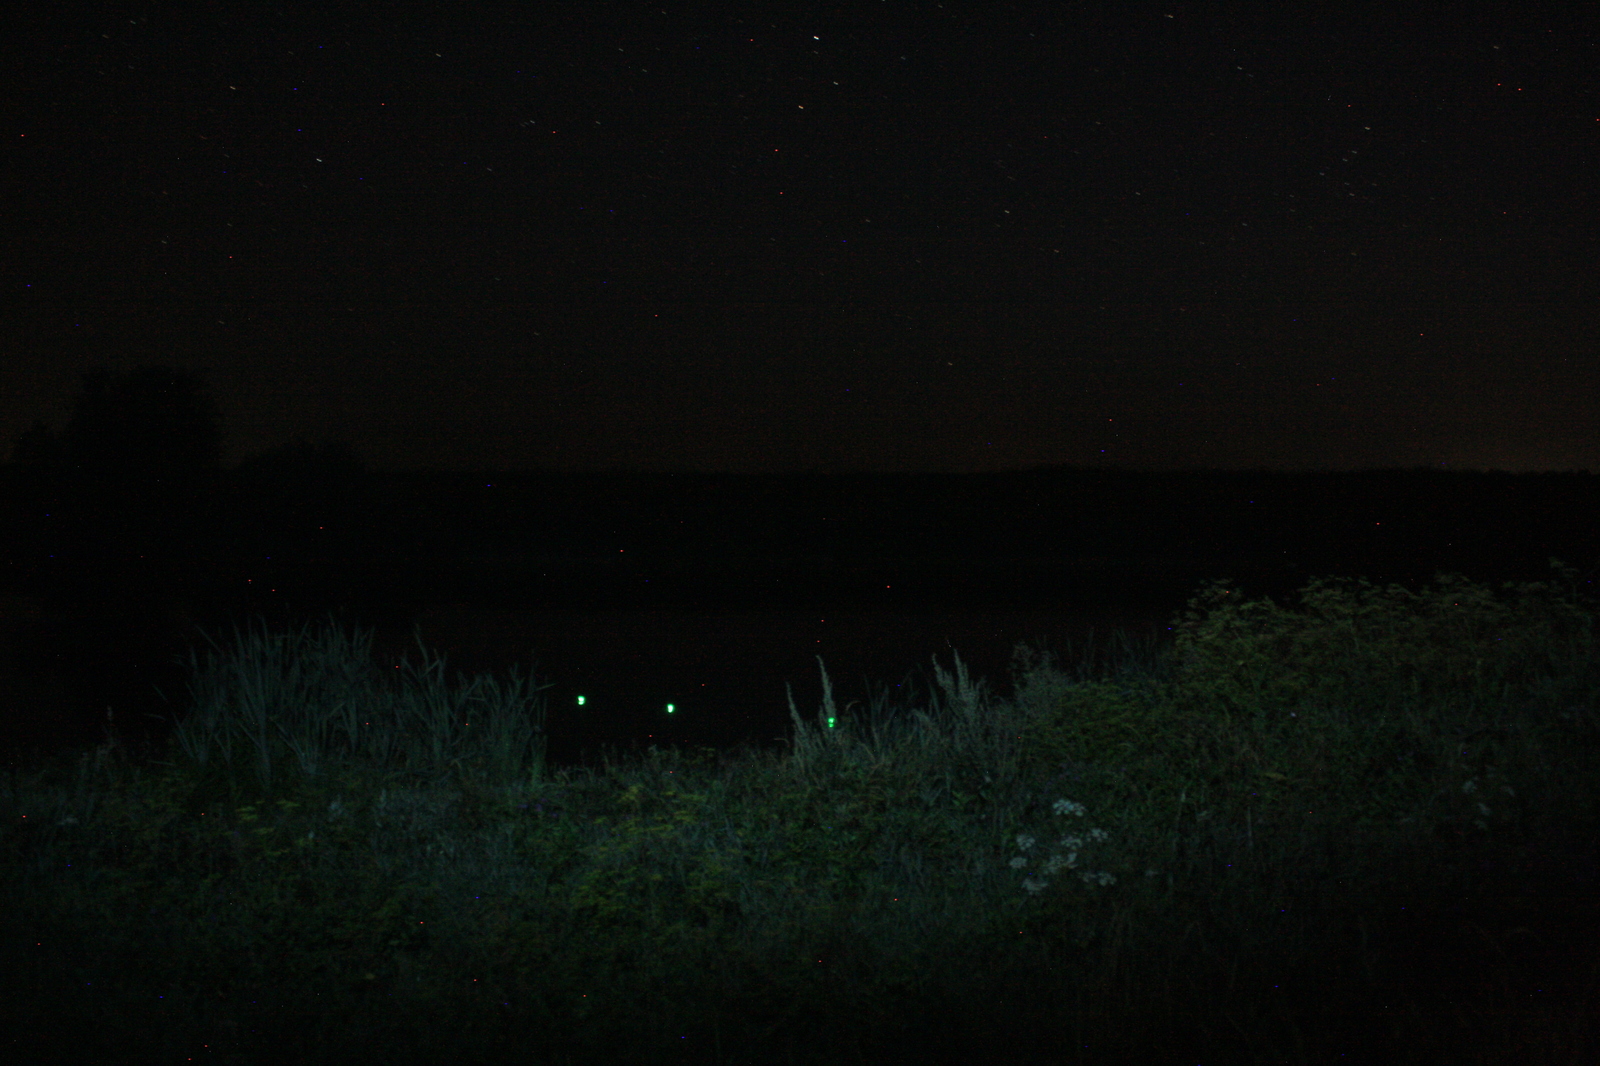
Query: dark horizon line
column 839, row 470
column 849, row 471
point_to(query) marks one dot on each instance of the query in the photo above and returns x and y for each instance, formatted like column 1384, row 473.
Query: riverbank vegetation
column 1356, row 828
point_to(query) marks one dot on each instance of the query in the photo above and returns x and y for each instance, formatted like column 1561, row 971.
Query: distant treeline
column 1057, row 512
column 130, row 498
column 316, row 514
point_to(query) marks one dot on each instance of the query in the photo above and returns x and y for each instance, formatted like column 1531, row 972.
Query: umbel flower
column 1063, row 855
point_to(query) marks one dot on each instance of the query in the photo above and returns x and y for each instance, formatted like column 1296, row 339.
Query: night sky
column 831, row 236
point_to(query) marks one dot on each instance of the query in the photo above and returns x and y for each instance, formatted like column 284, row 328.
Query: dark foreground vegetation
column 1358, row 828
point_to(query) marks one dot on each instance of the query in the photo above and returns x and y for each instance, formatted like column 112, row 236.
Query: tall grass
column 1290, row 835
column 316, row 699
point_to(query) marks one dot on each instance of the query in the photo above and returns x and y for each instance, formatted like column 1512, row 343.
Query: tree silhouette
column 115, row 528
column 156, row 423
column 129, row 481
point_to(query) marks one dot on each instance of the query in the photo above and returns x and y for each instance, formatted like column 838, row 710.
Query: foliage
column 332, row 861
column 315, row 698
column 1388, row 645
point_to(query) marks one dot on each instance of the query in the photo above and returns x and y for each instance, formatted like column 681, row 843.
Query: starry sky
column 892, row 235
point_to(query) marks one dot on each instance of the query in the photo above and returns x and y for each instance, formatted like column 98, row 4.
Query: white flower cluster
column 1066, row 858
